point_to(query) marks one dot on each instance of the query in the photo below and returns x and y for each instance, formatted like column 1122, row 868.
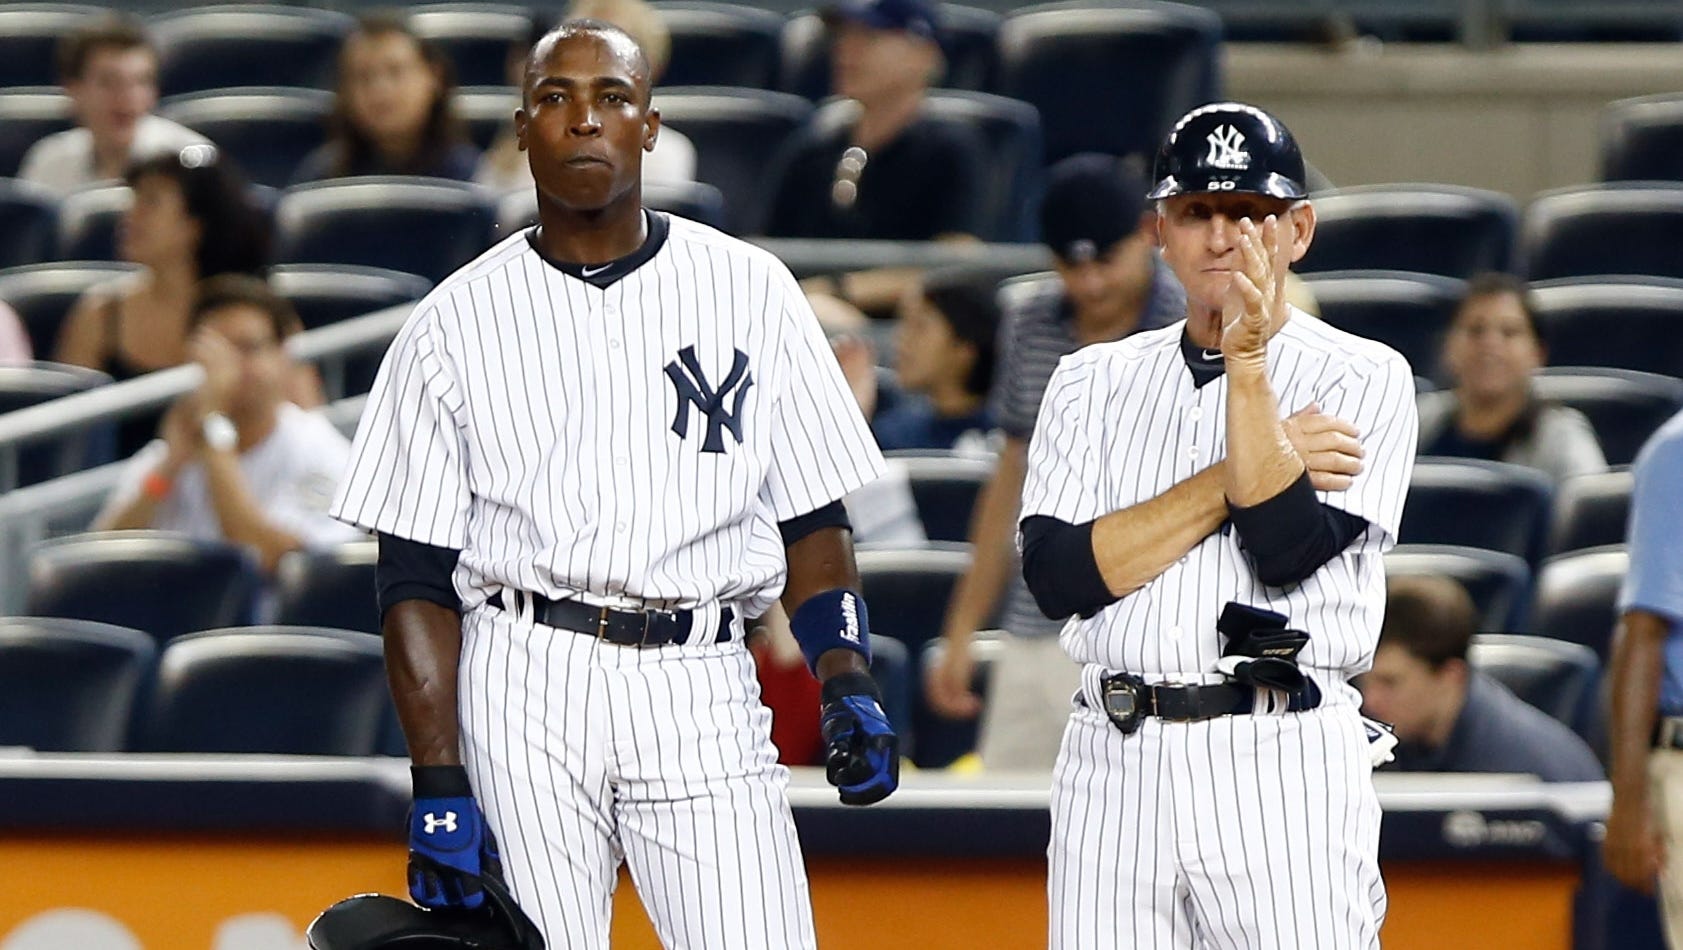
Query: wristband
column 440, row 781
column 156, row 486
column 833, row 620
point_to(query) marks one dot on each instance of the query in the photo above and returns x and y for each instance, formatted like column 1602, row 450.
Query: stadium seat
column 329, row 588
column 87, row 222
column 220, row 47
column 29, row 39
column 1498, row 582
column 28, row 218
column 1576, row 597
column 1407, row 312
column 945, row 487
column 1624, row 406
column 908, row 589
column 163, row 584
column 326, row 294
column 693, row 200
column 970, row 46
column 1140, row 66
column 43, row 293
column 737, row 135
column 272, row 690
column 1621, row 228
column 941, row 741
column 1606, row 21
column 1626, row 323
column 1642, row 139
column 476, row 36
column 26, row 117
column 1490, row 505
column 1431, row 229
column 424, row 226
column 485, row 110
column 1557, row 677
column 1591, row 511
column 722, row 44
column 69, row 685
column 31, row 384
column 267, row 131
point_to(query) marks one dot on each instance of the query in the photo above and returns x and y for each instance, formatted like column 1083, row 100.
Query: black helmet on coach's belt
column 1229, row 147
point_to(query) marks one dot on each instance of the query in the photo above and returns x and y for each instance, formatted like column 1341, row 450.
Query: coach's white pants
column 1243, row 832
column 583, row 753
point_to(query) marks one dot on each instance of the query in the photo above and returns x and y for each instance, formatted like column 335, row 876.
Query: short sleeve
column 302, row 506
column 821, row 446
column 407, row 473
column 1380, row 404
column 1063, row 479
column 1655, row 580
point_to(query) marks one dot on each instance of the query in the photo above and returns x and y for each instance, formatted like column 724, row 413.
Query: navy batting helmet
column 1229, row 147
column 378, row 922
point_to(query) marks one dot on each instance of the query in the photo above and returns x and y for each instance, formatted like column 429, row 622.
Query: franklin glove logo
column 1227, row 149
column 694, row 390
column 850, row 619
column 433, row 822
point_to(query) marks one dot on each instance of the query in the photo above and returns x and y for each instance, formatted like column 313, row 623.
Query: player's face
column 388, row 86
column 1406, row 692
column 1199, row 234
column 117, row 88
column 1491, row 351
column 1102, row 288
column 263, row 361
column 927, row 354
column 157, row 230
column 587, row 121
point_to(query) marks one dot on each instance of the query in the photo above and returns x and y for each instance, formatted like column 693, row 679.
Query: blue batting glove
column 450, row 848
column 862, row 758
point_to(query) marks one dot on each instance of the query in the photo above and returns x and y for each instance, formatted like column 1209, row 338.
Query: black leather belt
column 629, row 628
column 1128, row 699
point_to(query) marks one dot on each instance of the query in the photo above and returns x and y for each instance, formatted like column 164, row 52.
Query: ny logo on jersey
column 1227, row 149
column 433, row 822
column 694, row 390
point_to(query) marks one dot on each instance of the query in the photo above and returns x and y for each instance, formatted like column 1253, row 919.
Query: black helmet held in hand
column 1229, row 147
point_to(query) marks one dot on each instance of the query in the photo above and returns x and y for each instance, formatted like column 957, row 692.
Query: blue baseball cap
column 918, row 17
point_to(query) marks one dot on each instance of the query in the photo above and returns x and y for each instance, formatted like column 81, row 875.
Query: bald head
column 617, row 41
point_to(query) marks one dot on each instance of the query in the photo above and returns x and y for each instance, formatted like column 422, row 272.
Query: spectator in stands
column 1110, row 284
column 671, row 161
column 192, row 218
column 1646, row 673
column 109, row 69
column 393, row 114
column 944, row 360
column 14, row 339
column 1448, row 716
column 1494, row 346
column 234, row 459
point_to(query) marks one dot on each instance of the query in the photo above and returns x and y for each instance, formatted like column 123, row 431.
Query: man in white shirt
column 235, row 461
column 110, row 71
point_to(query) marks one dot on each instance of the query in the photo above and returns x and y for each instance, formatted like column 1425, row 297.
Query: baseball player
column 589, row 455
column 1210, row 501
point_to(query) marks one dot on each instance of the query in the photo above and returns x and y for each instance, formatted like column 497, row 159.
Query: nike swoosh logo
column 1212, row 354
column 593, row 271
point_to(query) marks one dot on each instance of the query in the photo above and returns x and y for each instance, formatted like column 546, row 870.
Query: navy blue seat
column 485, row 110
column 1642, row 139
column 425, row 226
column 476, row 36
column 329, row 588
column 28, row 219
column 325, row 294
column 270, row 690
column 69, row 685
column 220, row 47
column 1606, row 21
column 162, row 584
column 1407, row 312
column 1591, row 511
column 267, row 131
column 1624, row 406
column 87, row 222
column 1624, row 323
column 42, row 294
column 1631, row 228
column 944, row 487
column 737, row 135
column 722, row 44
column 969, row 44
column 26, row 117
column 1498, row 582
column 1479, row 504
column 1138, row 66
column 1431, row 229
column 31, row 384
column 1576, row 597
column 907, row 590
column 1557, row 677
column 30, row 34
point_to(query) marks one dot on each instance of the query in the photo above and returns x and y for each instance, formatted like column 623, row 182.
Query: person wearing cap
column 1109, row 284
column 1207, row 504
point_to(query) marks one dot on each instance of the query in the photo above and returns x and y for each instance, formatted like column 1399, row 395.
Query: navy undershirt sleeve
column 1060, row 569
column 832, row 515
column 1288, row 537
column 411, row 570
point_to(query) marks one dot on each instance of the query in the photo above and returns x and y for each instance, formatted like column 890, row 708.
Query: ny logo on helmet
column 694, row 390
column 433, row 822
column 1227, row 149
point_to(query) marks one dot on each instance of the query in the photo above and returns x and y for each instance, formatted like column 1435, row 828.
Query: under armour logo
column 1227, row 149
column 693, row 389
column 433, row 822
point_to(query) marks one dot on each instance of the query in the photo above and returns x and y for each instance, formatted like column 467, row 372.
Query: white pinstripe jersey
column 1123, row 422
column 556, row 433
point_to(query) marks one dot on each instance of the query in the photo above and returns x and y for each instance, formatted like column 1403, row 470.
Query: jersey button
column 1196, row 413
column 613, row 344
column 1174, row 633
column 1192, row 453
column 620, row 527
column 620, row 461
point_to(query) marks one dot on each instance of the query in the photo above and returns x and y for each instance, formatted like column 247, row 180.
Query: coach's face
column 587, row 118
column 1199, row 234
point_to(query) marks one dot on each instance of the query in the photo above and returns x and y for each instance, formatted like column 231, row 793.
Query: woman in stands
column 1493, row 348
column 393, row 115
column 192, row 218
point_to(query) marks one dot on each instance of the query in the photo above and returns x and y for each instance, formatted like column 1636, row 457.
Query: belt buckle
column 1123, row 697
column 602, row 618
